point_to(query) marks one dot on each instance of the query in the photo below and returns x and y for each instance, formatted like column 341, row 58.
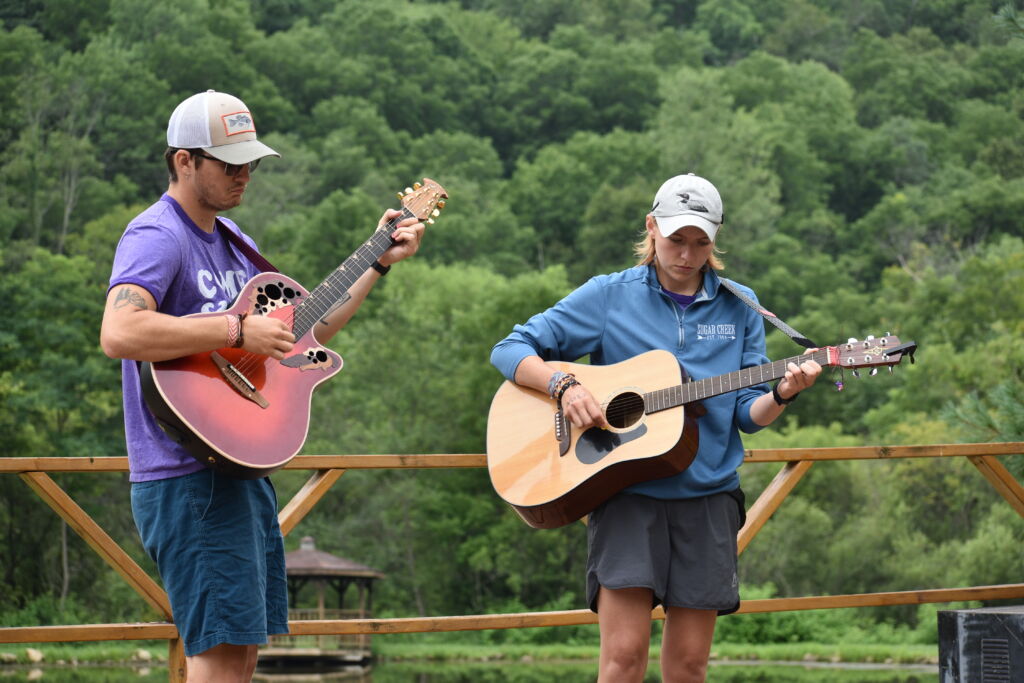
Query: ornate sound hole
column 625, row 410
column 271, row 296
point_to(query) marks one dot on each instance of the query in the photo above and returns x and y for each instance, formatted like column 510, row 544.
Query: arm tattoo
column 126, row 297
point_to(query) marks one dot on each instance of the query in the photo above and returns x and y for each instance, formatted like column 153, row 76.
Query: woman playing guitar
column 672, row 540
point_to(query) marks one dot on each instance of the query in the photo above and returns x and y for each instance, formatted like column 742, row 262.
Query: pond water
column 504, row 672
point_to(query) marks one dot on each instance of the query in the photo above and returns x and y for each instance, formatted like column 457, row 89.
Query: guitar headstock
column 872, row 352
column 425, row 200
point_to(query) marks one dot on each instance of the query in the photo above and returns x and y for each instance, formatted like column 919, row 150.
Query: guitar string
column 670, row 397
column 249, row 361
column 306, row 322
column 315, row 307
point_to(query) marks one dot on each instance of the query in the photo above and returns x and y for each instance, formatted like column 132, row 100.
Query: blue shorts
column 219, row 551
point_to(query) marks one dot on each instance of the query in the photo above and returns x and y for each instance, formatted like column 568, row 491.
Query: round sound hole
column 625, row 410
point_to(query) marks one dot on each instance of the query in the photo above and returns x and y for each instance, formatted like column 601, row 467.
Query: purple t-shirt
column 683, row 300
column 187, row 270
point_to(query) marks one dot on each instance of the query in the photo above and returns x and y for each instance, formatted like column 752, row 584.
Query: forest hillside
column 870, row 155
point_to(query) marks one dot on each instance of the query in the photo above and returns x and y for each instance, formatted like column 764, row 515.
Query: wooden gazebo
column 324, row 571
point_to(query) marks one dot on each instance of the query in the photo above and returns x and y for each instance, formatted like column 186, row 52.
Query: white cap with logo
column 686, row 200
column 220, row 125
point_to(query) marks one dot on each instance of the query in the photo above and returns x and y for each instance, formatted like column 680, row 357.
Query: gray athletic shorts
column 683, row 550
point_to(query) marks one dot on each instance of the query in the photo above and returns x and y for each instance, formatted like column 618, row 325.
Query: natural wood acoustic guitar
column 247, row 414
column 553, row 474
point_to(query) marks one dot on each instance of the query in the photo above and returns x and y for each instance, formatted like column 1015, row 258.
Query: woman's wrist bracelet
column 553, row 382
column 564, row 387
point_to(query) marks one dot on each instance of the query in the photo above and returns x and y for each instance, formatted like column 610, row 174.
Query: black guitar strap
column 254, row 256
column 768, row 315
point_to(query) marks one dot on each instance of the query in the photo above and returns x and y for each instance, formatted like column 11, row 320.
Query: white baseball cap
column 220, row 125
column 686, row 200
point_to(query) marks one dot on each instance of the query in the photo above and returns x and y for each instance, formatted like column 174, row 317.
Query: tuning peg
column 435, row 213
column 874, row 371
column 408, row 190
column 416, row 186
column 400, row 195
column 856, row 373
column 871, row 337
column 890, row 369
column 430, row 221
column 851, row 340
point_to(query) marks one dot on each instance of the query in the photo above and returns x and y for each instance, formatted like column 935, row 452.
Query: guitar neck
column 333, row 291
column 663, row 399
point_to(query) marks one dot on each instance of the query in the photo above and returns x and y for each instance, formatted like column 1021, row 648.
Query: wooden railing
column 328, row 468
column 358, row 644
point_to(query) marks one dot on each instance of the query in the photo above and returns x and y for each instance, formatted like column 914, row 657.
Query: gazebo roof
column 308, row 561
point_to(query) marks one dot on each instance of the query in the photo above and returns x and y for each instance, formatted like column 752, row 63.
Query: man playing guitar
column 215, row 539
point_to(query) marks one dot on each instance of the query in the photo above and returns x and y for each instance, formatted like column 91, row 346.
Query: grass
column 390, row 649
column 782, row 652
column 112, row 652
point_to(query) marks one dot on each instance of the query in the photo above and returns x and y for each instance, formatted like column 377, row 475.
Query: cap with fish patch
column 220, row 125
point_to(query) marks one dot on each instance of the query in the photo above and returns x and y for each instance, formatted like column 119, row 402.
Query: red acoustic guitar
column 247, row 414
column 552, row 474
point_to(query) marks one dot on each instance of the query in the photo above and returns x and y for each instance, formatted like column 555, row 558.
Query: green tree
column 61, row 398
column 552, row 192
column 732, row 26
column 910, row 75
column 432, row 532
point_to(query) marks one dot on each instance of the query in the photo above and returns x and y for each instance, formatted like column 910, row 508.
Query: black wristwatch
column 380, row 268
column 778, row 398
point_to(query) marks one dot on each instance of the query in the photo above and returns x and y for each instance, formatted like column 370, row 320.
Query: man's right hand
column 267, row 336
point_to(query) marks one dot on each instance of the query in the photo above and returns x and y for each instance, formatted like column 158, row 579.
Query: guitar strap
column 254, row 256
column 768, row 315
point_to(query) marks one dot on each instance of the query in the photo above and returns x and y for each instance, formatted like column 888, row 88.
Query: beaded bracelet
column 559, row 384
column 571, row 382
column 553, row 382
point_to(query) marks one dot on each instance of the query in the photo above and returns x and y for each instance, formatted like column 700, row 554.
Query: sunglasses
column 230, row 169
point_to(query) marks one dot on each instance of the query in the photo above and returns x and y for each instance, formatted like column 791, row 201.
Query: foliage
column 871, row 158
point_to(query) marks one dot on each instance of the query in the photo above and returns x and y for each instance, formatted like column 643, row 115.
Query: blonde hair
column 644, row 252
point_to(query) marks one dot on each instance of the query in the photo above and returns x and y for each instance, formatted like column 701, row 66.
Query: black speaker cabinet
column 982, row 645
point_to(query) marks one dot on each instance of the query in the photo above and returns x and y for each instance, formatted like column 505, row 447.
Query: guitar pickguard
column 313, row 359
column 596, row 443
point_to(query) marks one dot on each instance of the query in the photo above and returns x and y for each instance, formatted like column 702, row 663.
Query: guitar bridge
column 238, row 381
column 562, row 432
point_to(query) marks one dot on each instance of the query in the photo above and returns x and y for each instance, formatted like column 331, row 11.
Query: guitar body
column 553, row 474
column 550, row 489
column 200, row 407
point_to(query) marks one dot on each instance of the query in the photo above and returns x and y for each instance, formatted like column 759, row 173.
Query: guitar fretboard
column 663, row 399
column 334, row 288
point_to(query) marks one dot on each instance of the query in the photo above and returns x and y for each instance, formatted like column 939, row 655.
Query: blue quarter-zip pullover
column 620, row 315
